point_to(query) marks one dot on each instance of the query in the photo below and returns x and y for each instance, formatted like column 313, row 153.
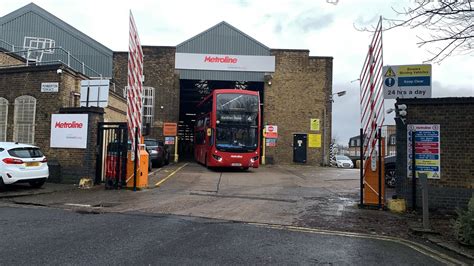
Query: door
column 299, row 148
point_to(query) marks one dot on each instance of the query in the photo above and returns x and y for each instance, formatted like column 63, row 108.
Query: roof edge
column 228, row 25
column 32, row 7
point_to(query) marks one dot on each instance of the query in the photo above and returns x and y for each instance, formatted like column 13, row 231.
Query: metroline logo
column 217, row 59
column 72, row 124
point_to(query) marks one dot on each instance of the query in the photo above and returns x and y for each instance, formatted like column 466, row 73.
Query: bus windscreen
column 237, row 122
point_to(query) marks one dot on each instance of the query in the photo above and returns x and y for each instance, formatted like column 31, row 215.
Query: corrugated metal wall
column 223, row 38
column 36, row 22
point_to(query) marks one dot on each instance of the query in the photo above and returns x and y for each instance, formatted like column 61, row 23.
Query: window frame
column 3, row 124
column 30, row 139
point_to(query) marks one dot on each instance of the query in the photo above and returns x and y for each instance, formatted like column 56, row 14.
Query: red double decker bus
column 227, row 134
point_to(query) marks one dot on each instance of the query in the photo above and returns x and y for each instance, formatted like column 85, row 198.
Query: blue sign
column 426, row 139
column 426, row 156
column 413, row 81
column 390, row 82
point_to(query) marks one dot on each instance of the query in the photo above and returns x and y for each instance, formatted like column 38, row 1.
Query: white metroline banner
column 250, row 63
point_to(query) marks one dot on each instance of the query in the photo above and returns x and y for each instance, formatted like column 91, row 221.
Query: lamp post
column 330, row 100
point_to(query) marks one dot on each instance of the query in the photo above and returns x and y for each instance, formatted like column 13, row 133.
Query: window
column 3, row 119
column 24, row 119
column 393, row 139
column 148, row 104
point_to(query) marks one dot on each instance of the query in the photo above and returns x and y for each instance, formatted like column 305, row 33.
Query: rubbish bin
column 54, row 171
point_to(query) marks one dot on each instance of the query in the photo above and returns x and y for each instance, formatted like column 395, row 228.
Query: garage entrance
column 191, row 93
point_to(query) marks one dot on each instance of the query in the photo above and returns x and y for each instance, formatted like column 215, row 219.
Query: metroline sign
column 69, row 131
column 248, row 63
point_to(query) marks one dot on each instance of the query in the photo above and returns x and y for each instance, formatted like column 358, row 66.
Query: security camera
column 59, row 71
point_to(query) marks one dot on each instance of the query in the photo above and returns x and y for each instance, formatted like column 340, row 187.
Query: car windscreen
column 26, row 152
column 342, row 157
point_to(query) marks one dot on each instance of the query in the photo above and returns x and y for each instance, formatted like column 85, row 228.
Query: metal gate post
column 361, row 167
column 123, row 155
column 135, row 161
column 118, row 137
column 413, row 170
column 380, row 167
column 99, row 162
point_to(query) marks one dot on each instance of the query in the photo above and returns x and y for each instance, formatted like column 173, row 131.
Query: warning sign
column 408, row 81
column 169, row 140
column 314, row 140
column 314, row 124
column 270, row 142
column 170, row 129
column 389, row 73
column 271, row 131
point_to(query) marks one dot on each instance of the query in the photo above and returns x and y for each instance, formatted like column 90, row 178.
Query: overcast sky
column 323, row 28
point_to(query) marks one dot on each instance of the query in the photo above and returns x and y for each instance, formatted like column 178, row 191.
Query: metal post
column 413, row 170
column 68, row 59
column 361, row 167
column 263, row 147
column 176, row 149
column 135, row 161
column 83, row 68
column 87, row 99
column 324, row 134
column 424, row 194
column 380, row 167
column 100, row 142
column 118, row 140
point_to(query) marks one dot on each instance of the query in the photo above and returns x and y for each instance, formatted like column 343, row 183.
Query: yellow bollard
column 176, row 149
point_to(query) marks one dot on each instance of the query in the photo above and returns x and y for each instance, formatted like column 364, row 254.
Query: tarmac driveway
column 269, row 194
column 304, row 196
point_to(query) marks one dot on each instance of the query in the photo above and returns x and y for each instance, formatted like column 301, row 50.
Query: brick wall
column 9, row 59
column 298, row 78
column 456, row 119
column 15, row 82
column 79, row 163
column 116, row 111
column 160, row 74
column 300, row 90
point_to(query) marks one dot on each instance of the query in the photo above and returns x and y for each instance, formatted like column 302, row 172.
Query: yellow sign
column 314, row 124
column 414, row 71
column 389, row 73
column 314, row 140
column 209, row 132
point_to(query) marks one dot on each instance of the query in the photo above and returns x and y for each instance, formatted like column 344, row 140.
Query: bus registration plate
column 236, row 164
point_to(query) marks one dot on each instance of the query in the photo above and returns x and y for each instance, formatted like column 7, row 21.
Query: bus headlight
column 217, row 157
column 254, row 159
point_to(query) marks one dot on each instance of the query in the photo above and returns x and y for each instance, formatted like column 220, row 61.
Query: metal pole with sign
column 413, row 169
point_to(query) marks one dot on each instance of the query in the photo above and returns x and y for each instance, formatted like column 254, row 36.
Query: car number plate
column 32, row 164
column 236, row 164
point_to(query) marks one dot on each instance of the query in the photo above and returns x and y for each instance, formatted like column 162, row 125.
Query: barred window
column 24, row 119
column 3, row 118
column 148, row 104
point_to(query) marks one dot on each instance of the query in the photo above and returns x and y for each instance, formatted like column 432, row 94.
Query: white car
column 21, row 163
column 344, row 162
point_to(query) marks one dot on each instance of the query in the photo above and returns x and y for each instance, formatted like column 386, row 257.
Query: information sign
column 427, row 150
column 314, row 140
column 409, row 81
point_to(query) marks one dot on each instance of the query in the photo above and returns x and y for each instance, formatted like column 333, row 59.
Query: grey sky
column 325, row 29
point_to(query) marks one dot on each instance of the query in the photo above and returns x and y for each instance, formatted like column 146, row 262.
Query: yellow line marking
column 417, row 247
column 170, row 175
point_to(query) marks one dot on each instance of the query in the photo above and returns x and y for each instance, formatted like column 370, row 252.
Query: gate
column 112, row 143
